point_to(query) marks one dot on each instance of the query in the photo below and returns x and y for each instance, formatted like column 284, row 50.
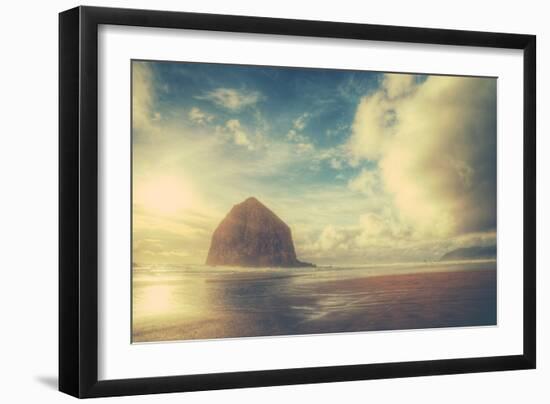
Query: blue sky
column 283, row 94
column 363, row 166
column 317, row 105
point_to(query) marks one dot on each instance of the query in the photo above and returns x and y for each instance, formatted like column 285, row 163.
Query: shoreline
column 264, row 306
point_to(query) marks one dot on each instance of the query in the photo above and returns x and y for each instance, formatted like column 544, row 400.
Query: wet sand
column 248, row 304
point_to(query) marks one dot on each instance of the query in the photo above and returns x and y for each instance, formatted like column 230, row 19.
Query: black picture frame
column 78, row 201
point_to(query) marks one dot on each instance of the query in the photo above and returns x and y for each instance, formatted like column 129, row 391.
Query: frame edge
column 78, row 289
column 529, row 201
column 69, row 81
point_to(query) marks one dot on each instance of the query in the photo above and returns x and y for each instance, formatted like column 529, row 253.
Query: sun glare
column 156, row 300
column 165, row 195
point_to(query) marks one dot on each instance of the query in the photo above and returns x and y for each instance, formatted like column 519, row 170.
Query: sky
column 364, row 167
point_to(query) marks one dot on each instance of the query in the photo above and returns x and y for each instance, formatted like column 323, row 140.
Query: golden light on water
column 206, row 302
column 157, row 299
column 162, row 299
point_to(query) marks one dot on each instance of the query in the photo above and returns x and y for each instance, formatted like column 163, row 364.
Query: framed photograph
column 251, row 201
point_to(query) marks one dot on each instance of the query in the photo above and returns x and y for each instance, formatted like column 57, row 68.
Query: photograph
column 277, row 201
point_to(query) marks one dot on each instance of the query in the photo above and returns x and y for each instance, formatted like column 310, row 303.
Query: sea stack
column 251, row 235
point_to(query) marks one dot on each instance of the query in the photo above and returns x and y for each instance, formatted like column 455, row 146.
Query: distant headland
column 470, row 253
column 251, row 235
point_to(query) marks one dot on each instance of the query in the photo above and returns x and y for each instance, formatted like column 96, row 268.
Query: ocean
column 171, row 303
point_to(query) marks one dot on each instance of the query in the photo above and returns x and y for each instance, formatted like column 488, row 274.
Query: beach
column 200, row 302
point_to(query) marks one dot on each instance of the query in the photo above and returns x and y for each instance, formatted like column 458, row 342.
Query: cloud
column 367, row 182
column 383, row 229
column 231, row 98
column 375, row 237
column 238, row 134
column 304, row 148
column 196, row 115
column 355, row 86
column 379, row 238
column 143, row 99
column 300, row 142
column 337, row 130
column 329, row 238
column 300, row 122
column 332, row 238
column 372, row 127
column 298, row 125
column 398, row 85
column 372, row 224
column 336, row 156
column 435, row 146
column 336, row 164
column 413, row 179
column 294, row 136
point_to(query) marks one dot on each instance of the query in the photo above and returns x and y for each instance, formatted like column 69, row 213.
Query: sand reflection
column 206, row 302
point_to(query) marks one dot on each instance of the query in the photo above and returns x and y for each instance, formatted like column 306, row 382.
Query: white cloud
column 383, row 229
column 231, row 98
column 366, row 241
column 367, row 182
column 336, row 156
column 372, row 224
column 198, row 116
column 341, row 223
column 338, row 129
column 143, row 99
column 241, row 139
column 295, row 133
column 372, row 127
column 297, row 138
column 329, row 239
column 380, row 237
column 238, row 134
column 292, row 135
column 300, row 142
column 303, row 148
column 398, row 85
column 300, row 122
column 336, row 164
column 435, row 144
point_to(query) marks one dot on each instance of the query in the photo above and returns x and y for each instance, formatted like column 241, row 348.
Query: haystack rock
column 251, row 235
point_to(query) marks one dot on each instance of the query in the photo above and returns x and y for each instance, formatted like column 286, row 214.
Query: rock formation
column 251, row 235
